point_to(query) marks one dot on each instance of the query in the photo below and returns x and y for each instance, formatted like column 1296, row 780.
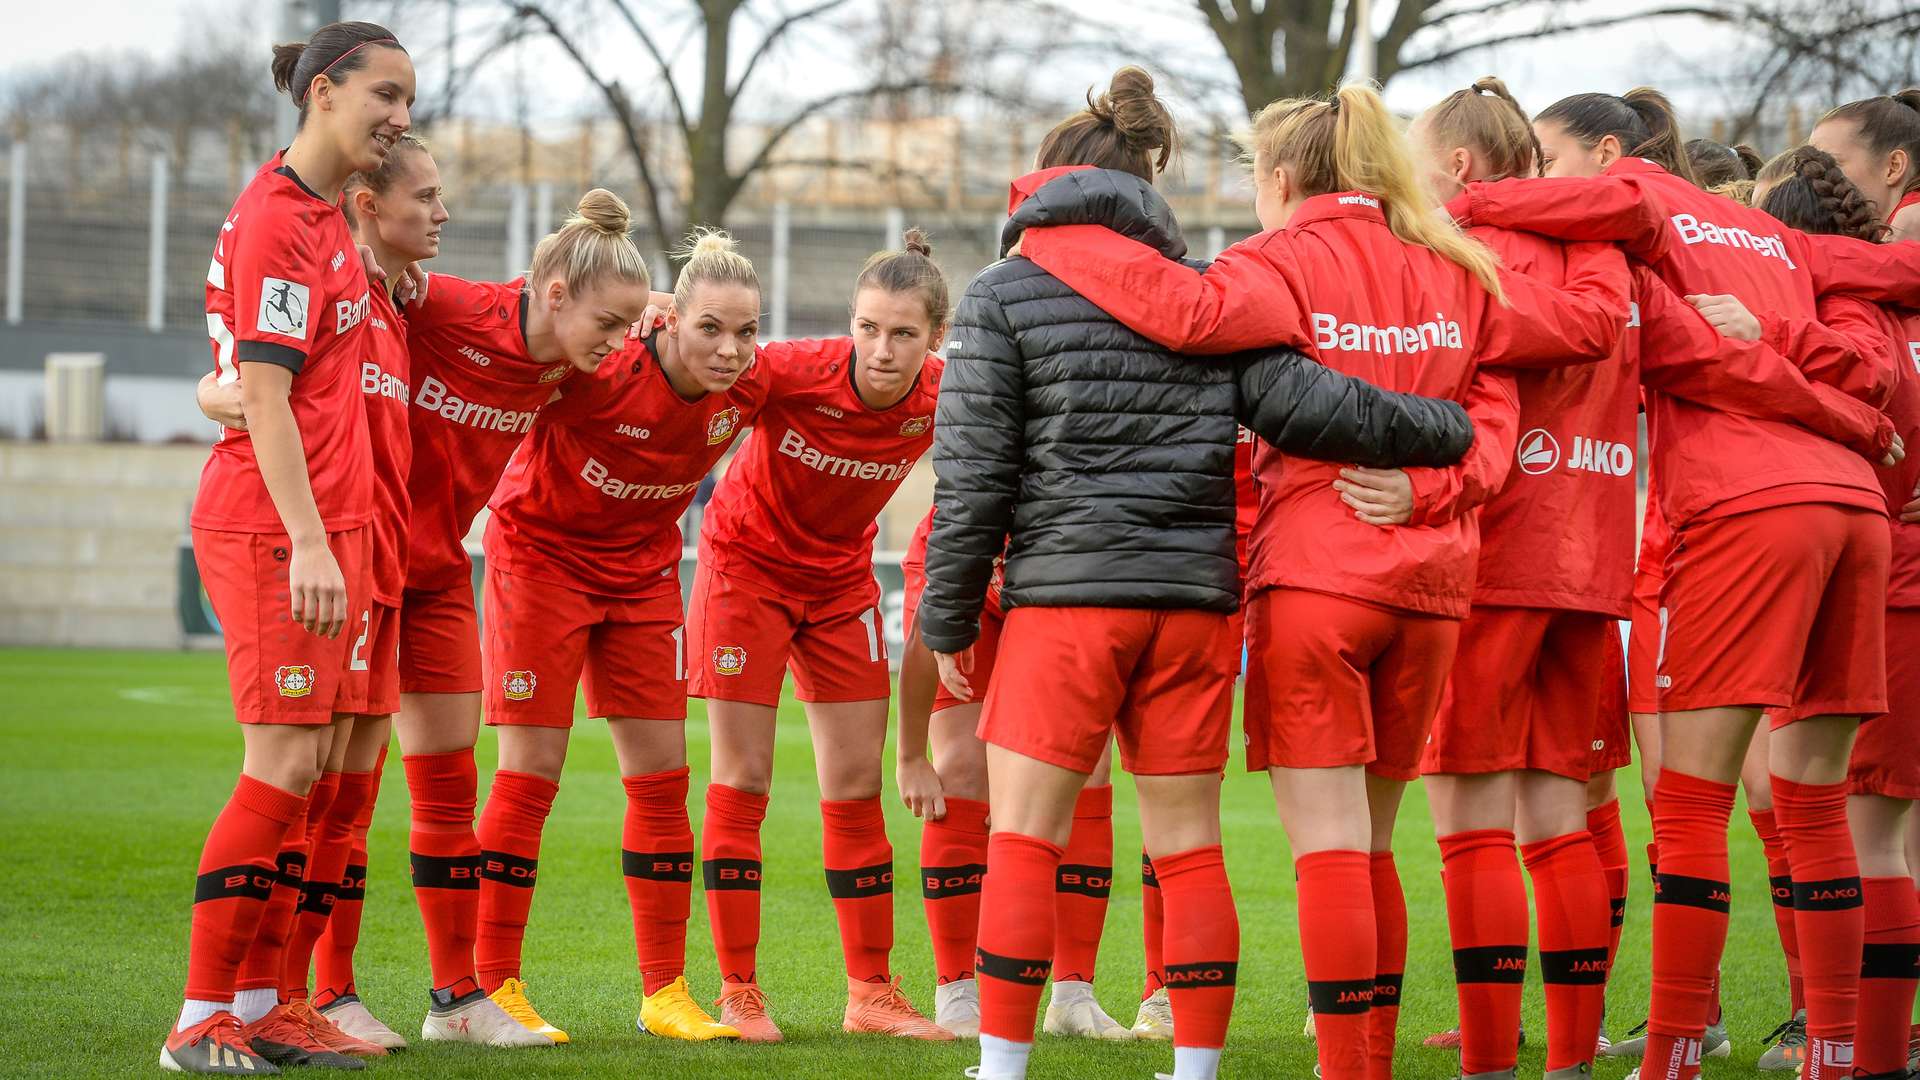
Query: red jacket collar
column 1023, row 188
column 1339, row 204
column 1633, row 166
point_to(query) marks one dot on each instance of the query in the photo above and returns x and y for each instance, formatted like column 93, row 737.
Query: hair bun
column 1131, row 108
column 914, row 242
column 1910, row 97
column 605, row 211
column 286, row 61
column 707, row 241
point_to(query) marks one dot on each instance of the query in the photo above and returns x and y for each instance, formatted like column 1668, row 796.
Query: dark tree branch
column 660, row 62
column 773, row 36
column 819, row 105
column 1554, row 30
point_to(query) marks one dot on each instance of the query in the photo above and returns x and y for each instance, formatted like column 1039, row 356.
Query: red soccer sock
column 1081, row 887
column 261, row 968
column 1570, row 896
column 1690, row 903
column 1153, row 923
column 443, row 853
column 730, row 867
column 1390, row 948
column 1889, row 964
column 1610, row 844
column 1828, row 917
column 1487, row 916
column 1338, row 939
column 1016, row 933
column 326, row 866
column 516, row 812
column 236, row 878
column 859, row 864
column 953, row 862
column 1202, row 945
column 333, row 956
column 1780, row 879
column 656, row 857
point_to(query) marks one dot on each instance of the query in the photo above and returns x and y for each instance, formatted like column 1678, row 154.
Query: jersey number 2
column 360, row 662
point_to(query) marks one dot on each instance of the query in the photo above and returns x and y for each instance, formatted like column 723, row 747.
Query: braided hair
column 1806, row 189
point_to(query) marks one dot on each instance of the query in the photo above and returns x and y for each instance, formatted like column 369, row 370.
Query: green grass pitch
column 112, row 765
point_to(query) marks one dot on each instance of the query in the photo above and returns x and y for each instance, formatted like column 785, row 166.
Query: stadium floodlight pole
column 157, row 247
column 1361, row 64
column 16, row 228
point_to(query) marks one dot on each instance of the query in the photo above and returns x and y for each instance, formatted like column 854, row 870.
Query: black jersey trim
column 286, row 170
column 270, row 352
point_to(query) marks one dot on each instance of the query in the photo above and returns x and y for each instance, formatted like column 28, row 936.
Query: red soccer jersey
column 592, row 500
column 475, row 394
column 383, row 386
column 286, row 287
column 797, row 510
column 1903, row 583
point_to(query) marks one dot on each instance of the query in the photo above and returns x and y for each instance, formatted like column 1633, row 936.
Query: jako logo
column 1601, row 456
column 830, row 411
column 633, row 432
column 1539, row 452
column 475, row 355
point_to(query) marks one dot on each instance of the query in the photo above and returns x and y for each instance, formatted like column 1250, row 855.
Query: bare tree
column 1804, row 56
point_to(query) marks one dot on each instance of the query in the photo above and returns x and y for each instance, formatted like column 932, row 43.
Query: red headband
column 343, row 56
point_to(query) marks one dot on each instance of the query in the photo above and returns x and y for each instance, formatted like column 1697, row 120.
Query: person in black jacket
column 1100, row 467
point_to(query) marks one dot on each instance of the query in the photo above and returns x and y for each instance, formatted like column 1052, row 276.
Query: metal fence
column 129, row 247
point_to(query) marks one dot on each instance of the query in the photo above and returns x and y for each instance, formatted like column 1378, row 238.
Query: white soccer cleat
column 1154, row 1021
column 480, row 1020
column 956, row 1007
column 350, row 1014
column 1073, row 1013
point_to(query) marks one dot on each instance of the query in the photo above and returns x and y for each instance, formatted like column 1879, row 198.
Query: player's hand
column 412, row 284
column 221, row 404
column 1727, row 314
column 375, row 272
column 920, row 789
column 954, row 669
column 1911, row 511
column 658, row 304
column 1378, row 496
column 1896, row 453
column 318, row 590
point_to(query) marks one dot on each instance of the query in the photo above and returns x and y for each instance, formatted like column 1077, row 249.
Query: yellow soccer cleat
column 512, row 999
column 671, row 1013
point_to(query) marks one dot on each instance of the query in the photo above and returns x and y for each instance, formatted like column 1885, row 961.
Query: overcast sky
column 1672, row 54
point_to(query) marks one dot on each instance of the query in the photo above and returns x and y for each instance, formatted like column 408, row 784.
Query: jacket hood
column 1082, row 195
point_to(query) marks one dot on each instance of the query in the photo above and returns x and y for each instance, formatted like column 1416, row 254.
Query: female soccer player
column 785, row 579
column 1102, row 465
column 1876, row 140
column 1351, row 628
column 949, row 793
column 1775, row 583
column 1716, row 165
column 624, row 450
column 280, row 525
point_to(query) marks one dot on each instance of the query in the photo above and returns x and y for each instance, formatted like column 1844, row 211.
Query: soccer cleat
column 1714, row 1044
column 1443, row 1040
column 213, row 1047
column 1913, row 1049
column 1308, row 1030
column 350, row 1015
column 1502, row 1074
column 1789, row 1049
column 282, row 1037
column 512, row 999
column 1154, row 1021
column 881, row 1009
column 1581, row 1071
column 1074, row 1013
column 476, row 1018
column 671, row 1013
column 744, row 1008
column 329, row 1035
column 956, row 1007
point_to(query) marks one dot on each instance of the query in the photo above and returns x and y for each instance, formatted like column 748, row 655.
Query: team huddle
column 1384, row 449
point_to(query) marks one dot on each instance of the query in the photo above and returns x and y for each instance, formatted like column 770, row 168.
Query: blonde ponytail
column 1353, row 143
column 591, row 246
column 712, row 258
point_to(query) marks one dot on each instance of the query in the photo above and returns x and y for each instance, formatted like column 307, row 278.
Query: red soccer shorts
column 439, row 641
column 1885, row 761
column 1069, row 677
column 1612, row 733
column 1643, row 644
column 744, row 636
column 277, row 671
column 1334, row 682
column 541, row 638
column 1525, row 692
column 1781, row 608
column 383, row 661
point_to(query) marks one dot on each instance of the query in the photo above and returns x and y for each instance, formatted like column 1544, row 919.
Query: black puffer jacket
column 1100, row 463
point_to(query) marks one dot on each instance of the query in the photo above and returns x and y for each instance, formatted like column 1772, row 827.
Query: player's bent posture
column 1351, row 626
column 396, row 213
column 1102, row 465
column 1775, row 583
column 624, row 451
column 785, row 580
column 486, row 357
column 280, row 533
column 950, row 795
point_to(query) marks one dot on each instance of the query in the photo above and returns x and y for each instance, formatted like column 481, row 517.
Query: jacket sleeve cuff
column 1461, row 206
column 944, row 635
